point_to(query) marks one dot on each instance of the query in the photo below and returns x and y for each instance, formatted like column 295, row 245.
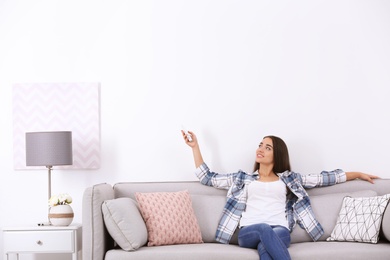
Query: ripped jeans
column 271, row 242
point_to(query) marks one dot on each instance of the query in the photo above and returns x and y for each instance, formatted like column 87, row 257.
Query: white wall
column 312, row 72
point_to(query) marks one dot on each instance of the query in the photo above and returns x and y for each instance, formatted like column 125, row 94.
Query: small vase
column 61, row 215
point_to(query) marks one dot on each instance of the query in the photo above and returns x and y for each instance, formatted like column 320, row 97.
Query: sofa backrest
column 208, row 202
column 381, row 186
column 127, row 189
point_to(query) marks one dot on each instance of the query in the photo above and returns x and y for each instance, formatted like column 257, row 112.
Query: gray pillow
column 124, row 223
column 326, row 209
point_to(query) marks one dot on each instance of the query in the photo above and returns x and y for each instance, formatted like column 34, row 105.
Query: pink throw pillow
column 169, row 218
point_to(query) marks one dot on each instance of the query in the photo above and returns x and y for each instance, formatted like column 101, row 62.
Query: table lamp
column 49, row 149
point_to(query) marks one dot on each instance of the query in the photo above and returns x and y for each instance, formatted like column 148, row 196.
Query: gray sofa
column 208, row 203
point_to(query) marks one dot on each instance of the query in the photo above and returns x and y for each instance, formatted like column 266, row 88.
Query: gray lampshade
column 49, row 148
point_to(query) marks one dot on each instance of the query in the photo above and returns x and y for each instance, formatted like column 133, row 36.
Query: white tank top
column 266, row 203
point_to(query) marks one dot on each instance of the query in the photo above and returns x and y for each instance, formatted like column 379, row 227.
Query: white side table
column 43, row 239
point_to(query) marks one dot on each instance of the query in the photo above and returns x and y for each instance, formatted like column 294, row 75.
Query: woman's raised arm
column 198, row 159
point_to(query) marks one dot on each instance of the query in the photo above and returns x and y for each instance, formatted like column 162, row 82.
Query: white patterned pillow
column 360, row 219
column 169, row 218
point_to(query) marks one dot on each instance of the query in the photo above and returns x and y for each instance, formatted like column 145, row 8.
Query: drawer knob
column 39, row 242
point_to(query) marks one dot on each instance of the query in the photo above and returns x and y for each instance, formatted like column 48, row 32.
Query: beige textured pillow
column 169, row 218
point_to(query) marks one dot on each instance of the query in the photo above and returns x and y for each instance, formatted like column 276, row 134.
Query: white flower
column 60, row 199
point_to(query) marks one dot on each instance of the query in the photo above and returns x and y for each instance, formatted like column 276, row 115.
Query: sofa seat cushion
column 205, row 251
column 339, row 251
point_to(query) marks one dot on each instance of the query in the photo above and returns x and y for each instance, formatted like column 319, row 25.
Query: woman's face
column 265, row 152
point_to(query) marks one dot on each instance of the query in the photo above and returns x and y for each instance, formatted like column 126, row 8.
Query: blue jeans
column 271, row 241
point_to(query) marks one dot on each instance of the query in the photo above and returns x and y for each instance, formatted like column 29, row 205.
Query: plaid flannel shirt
column 298, row 208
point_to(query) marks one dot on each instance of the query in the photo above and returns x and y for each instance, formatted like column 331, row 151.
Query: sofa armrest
column 96, row 240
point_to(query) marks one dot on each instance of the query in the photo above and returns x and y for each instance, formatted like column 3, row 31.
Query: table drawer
column 39, row 241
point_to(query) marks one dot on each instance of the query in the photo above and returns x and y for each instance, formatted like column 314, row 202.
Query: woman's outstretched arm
column 326, row 178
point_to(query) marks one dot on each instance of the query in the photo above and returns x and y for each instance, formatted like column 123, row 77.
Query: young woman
column 267, row 203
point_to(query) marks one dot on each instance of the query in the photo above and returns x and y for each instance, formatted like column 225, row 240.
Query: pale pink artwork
column 59, row 107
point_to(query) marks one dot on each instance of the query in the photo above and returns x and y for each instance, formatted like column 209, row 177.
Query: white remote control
column 187, row 134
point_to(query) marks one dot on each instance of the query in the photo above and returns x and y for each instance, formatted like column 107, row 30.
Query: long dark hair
column 281, row 157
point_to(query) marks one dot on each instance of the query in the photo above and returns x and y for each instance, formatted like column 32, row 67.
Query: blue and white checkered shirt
column 298, row 208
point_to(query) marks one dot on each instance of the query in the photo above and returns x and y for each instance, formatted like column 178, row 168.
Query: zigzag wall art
column 59, row 107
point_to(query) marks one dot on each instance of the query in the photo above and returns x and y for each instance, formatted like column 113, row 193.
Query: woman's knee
column 264, row 227
column 261, row 229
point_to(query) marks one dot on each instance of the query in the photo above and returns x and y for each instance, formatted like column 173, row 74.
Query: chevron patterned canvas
column 59, row 107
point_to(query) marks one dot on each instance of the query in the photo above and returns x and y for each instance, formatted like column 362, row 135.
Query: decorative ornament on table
column 60, row 212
